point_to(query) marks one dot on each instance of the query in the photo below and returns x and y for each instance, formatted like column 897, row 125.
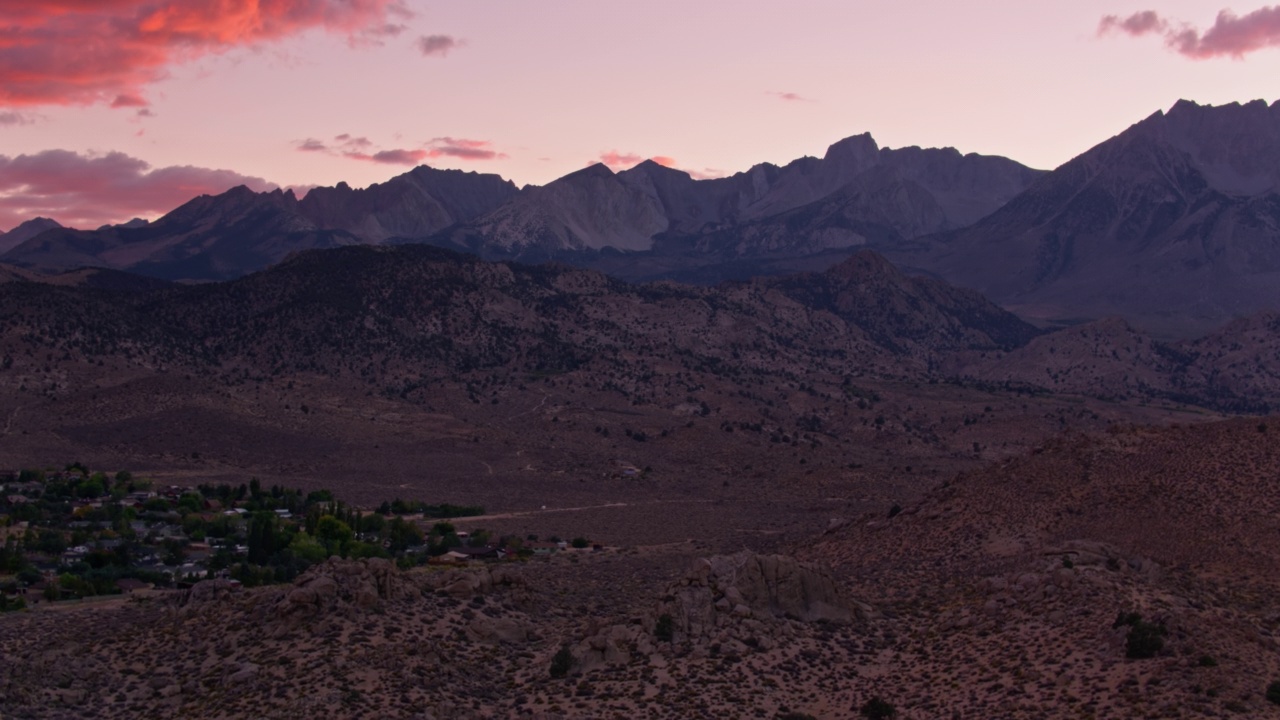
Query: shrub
column 1145, row 640
column 665, row 629
column 1273, row 693
column 878, row 709
column 561, row 663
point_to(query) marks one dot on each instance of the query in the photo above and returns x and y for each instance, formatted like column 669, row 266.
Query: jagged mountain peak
column 857, row 149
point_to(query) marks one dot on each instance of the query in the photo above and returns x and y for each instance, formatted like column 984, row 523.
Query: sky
column 113, row 109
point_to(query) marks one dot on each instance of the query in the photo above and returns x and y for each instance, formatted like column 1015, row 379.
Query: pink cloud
column 789, row 96
column 463, row 149
column 616, row 160
column 83, row 52
column 128, row 100
column 438, row 45
column 350, row 143
column 1231, row 35
column 1137, row 24
column 91, row 190
column 393, row 157
column 361, row 148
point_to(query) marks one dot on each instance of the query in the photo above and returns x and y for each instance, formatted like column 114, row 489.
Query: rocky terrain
column 1008, row 591
column 810, row 491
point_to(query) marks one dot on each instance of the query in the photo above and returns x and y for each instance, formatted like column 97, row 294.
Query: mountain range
column 857, row 194
column 1173, row 224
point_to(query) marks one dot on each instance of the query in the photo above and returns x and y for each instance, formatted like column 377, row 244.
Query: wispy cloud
column 438, row 45
column 83, row 52
column 621, row 161
column 16, row 118
column 364, row 149
column 463, row 148
column 86, row 190
column 789, row 96
column 1230, row 35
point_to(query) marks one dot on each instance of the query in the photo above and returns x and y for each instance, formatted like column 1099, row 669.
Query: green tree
column 51, row 542
column 402, row 534
column 334, row 535
column 262, row 537
column 306, row 549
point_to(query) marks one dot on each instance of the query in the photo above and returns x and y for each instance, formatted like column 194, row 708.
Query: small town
column 76, row 535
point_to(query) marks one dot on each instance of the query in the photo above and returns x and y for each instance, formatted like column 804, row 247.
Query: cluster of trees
column 274, row 534
column 418, row 507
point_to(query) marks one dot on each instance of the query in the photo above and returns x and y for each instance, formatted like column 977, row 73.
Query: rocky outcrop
column 209, row 591
column 472, row 582
column 746, row 585
column 731, row 605
column 338, row 585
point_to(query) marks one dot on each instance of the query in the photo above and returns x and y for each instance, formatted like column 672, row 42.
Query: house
column 16, row 499
column 450, row 558
column 478, row 553
column 542, row 548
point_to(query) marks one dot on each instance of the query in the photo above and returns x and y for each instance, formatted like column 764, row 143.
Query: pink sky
column 111, row 109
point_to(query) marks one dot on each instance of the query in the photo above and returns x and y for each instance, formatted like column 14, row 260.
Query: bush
column 580, row 543
column 665, row 629
column 561, row 663
column 1273, row 693
column 1145, row 640
column 878, row 709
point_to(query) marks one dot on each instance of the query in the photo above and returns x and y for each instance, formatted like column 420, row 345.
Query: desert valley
column 819, row 483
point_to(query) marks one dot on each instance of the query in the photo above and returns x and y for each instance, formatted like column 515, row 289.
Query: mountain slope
column 24, row 232
column 1174, row 224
